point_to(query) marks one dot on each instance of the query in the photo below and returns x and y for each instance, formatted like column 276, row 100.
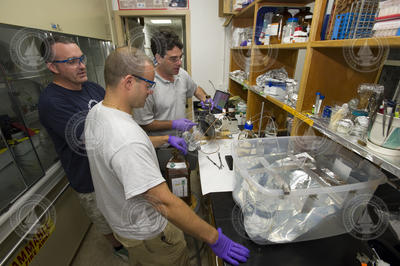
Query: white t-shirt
column 168, row 101
column 124, row 165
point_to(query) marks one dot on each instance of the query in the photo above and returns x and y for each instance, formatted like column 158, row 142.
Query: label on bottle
column 308, row 17
column 173, row 165
column 180, row 186
column 273, row 30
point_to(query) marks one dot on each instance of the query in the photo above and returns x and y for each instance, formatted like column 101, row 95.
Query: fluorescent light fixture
column 161, row 21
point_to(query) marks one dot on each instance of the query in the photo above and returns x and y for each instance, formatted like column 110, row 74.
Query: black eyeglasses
column 73, row 61
column 151, row 85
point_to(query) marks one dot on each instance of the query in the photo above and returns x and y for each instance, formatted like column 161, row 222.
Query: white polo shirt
column 168, row 102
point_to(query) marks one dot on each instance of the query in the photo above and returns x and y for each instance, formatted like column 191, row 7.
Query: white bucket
column 378, row 136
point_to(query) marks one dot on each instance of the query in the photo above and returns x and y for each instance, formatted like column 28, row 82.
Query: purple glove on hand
column 182, row 124
column 178, row 143
column 228, row 250
column 209, row 102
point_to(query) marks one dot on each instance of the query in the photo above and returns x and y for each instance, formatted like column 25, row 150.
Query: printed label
column 308, row 17
column 172, row 165
column 273, row 30
column 179, row 187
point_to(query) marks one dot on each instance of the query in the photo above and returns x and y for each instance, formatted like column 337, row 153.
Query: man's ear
column 158, row 58
column 52, row 68
column 128, row 82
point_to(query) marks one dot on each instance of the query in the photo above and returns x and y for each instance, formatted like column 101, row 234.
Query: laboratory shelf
column 371, row 42
column 389, row 163
column 241, row 82
column 284, row 106
column 301, row 45
column 241, row 48
column 247, row 12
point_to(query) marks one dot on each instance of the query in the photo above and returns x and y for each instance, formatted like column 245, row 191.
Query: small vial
column 318, row 108
column 317, row 96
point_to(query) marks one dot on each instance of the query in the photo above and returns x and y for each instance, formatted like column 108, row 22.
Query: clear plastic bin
column 295, row 188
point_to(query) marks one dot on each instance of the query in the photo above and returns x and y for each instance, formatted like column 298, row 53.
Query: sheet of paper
column 213, row 179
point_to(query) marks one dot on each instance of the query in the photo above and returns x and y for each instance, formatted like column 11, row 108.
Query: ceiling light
column 161, row 21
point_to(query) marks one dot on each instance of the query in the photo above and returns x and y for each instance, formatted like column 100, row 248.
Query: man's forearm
column 200, row 94
column 158, row 140
column 158, row 125
column 179, row 213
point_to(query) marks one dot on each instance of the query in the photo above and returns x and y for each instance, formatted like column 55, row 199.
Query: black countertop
column 332, row 251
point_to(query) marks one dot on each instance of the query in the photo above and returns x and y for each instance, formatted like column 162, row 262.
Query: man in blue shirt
column 63, row 106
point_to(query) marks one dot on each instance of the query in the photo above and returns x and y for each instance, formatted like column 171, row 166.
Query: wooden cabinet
column 330, row 67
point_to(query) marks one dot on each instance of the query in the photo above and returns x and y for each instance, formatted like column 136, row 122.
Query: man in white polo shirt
column 130, row 190
column 165, row 110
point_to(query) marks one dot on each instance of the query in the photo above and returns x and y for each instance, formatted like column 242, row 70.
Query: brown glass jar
column 278, row 21
column 178, row 177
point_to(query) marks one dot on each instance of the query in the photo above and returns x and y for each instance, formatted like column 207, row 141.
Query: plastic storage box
column 295, row 188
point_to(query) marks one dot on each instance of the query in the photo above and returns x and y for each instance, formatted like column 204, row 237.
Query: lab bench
column 339, row 250
column 217, row 185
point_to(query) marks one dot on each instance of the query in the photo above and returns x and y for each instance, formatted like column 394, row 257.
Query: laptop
column 220, row 100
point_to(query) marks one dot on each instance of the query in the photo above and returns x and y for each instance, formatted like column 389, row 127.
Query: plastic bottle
column 289, row 28
column 264, row 36
column 277, row 23
column 299, row 35
column 247, row 132
column 178, row 177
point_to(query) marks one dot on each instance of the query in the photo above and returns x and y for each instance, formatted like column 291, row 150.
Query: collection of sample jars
column 282, row 27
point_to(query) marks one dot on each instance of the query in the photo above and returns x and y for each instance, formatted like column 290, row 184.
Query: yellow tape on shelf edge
column 298, row 115
column 31, row 249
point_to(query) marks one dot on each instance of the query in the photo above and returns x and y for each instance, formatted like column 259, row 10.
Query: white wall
column 84, row 18
column 207, row 40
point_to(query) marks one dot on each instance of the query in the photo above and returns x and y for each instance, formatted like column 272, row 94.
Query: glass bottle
column 305, row 18
column 247, row 132
column 178, row 177
column 277, row 23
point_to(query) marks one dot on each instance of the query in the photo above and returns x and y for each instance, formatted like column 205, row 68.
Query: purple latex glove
column 228, row 250
column 182, row 124
column 178, row 143
column 209, row 102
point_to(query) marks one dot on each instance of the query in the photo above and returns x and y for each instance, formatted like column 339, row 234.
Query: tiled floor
column 95, row 250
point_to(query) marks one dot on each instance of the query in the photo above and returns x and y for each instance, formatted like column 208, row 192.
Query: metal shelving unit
column 389, row 163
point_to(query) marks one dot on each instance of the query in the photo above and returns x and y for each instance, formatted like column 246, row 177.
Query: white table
column 213, row 179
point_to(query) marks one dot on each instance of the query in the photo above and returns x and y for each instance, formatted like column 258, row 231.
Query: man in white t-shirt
column 130, row 190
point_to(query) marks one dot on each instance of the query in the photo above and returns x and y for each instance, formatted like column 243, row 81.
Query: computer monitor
column 220, row 99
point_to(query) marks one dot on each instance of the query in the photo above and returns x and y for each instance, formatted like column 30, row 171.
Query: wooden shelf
column 371, row 42
column 285, row 107
column 241, row 48
column 286, row 2
column 244, row 84
column 283, row 46
column 247, row 12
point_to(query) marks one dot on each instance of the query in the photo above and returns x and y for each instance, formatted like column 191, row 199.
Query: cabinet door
column 27, row 93
column 20, row 138
column 11, row 182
